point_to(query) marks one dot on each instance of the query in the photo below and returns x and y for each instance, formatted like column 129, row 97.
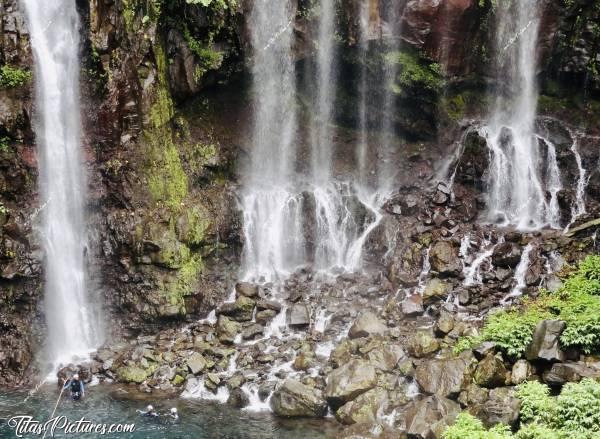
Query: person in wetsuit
column 76, row 387
column 149, row 413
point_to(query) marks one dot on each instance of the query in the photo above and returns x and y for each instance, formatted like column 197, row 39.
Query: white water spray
column 72, row 319
column 516, row 193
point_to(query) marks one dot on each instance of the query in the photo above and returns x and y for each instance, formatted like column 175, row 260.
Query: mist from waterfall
column 519, row 176
column 73, row 321
column 295, row 216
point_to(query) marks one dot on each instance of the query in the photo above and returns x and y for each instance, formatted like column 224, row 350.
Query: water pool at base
column 111, row 404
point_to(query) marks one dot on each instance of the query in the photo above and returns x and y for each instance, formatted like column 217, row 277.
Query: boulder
column 246, row 289
column 521, row 371
column 413, row 305
column 386, row 357
column 196, row 363
column 435, row 290
column 561, row 373
column 132, row 374
column 364, row 408
column 366, row 325
column 293, row 399
column 422, row 343
column 430, row 416
column 444, row 259
column 445, row 378
column 491, row 372
column 298, row 315
column 227, row 330
column 445, row 322
column 507, row 254
column 241, row 310
column 238, row 398
column 348, row 381
column 545, row 342
column 501, row 407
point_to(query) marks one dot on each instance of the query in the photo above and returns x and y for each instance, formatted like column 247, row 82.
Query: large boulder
column 507, row 254
column 491, row 372
column 367, row 324
column 241, row 310
column 445, row 378
column 196, row 363
column 545, row 342
column 429, row 417
column 293, row 399
column 298, row 315
column 364, row 408
column 521, row 371
column 246, row 289
column 562, row 373
column 422, row 343
column 413, row 305
column 444, row 259
column 227, row 329
column 435, row 290
column 501, row 407
column 348, row 381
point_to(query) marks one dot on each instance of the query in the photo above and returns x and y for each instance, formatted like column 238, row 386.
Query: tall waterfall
column 73, row 326
column 295, row 216
column 520, row 176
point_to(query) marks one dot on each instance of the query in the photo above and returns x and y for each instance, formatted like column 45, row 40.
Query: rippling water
column 115, row 404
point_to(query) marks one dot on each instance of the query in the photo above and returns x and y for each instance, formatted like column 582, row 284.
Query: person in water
column 75, row 385
column 173, row 413
column 150, row 412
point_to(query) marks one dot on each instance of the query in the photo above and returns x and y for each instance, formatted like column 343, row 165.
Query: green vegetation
column 575, row 413
column 469, row 427
column 577, row 303
column 415, row 72
column 11, row 77
column 4, row 144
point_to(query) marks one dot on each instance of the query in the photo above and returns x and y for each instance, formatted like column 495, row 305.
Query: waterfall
column 295, row 216
column 516, row 186
column 73, row 323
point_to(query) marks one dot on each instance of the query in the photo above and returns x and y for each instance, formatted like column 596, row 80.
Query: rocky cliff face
column 166, row 115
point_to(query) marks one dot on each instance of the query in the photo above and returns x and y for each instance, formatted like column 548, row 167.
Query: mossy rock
column 133, row 374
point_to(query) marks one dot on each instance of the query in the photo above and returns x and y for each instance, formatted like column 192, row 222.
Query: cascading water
column 73, row 324
column 292, row 216
column 516, row 186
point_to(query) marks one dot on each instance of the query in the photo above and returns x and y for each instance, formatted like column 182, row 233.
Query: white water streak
column 73, row 321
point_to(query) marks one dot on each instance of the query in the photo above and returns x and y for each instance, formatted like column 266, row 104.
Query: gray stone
column 292, row 399
column 521, row 371
column 429, row 417
column 507, row 254
column 196, row 363
column 366, row 325
column 364, row 408
column 413, row 305
column 444, row 259
column 501, row 407
column 491, row 372
column 545, row 342
column 246, row 289
column 562, row 373
column 227, row 329
column 298, row 315
column 348, row 381
column 445, row 378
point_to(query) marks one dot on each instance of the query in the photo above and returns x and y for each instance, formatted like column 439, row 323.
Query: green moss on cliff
column 415, row 72
column 11, row 77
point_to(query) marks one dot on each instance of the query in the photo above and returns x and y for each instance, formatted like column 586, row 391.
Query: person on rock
column 75, row 385
column 149, row 413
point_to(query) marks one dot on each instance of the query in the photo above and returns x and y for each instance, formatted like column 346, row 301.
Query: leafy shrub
column 536, row 431
column 11, row 77
column 511, row 330
column 577, row 303
column 469, row 427
column 578, row 409
column 536, row 403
